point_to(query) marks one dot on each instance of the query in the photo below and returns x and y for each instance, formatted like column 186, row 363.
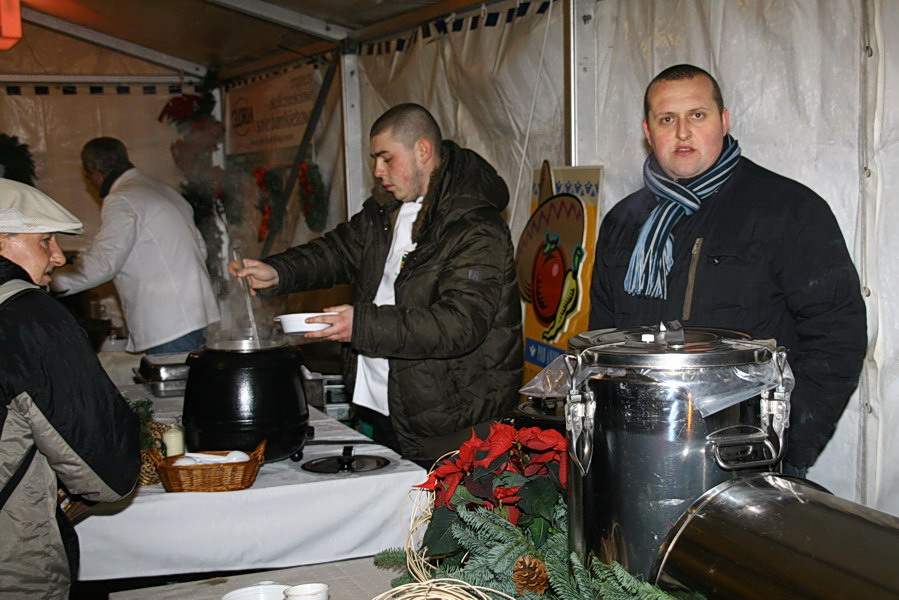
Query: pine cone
column 531, row 574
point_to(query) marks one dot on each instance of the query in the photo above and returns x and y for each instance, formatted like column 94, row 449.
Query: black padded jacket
column 765, row 256
column 54, row 395
column 453, row 339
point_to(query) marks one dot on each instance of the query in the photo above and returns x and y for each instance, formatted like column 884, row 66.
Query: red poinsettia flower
column 529, row 452
column 507, row 495
column 445, row 478
column 499, row 441
column 450, row 484
column 468, row 451
column 538, row 439
column 537, row 464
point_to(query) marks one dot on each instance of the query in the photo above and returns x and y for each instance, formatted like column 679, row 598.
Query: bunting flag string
column 93, row 89
column 443, row 27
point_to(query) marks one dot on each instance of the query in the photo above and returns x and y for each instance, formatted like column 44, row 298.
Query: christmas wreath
column 269, row 193
column 313, row 196
column 495, row 519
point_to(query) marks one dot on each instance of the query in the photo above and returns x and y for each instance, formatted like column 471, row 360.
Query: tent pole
column 580, row 83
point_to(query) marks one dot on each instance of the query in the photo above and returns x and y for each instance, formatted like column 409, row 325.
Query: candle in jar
column 173, row 438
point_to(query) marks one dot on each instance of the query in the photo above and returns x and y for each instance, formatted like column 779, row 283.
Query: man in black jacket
column 715, row 240
column 433, row 336
column 61, row 419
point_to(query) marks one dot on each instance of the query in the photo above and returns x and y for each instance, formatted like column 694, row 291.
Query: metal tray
column 163, row 389
column 163, row 367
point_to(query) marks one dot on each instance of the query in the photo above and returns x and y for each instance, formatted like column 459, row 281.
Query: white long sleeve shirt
column 373, row 371
column 150, row 248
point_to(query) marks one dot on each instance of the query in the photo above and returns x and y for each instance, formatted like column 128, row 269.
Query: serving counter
column 289, row 516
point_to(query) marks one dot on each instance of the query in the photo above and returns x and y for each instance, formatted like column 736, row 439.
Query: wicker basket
column 218, row 477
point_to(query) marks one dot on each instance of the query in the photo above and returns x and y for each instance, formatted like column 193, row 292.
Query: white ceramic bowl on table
column 260, row 591
column 296, row 322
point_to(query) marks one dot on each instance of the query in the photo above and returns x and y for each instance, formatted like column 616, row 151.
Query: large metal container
column 242, row 392
column 770, row 536
column 657, row 416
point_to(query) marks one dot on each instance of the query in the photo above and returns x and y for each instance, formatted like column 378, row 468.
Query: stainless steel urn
column 655, row 417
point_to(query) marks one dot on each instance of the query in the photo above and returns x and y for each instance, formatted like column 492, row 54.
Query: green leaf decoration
column 463, row 496
column 510, row 479
column 438, row 537
column 538, row 527
column 480, row 483
column 538, row 497
column 144, row 410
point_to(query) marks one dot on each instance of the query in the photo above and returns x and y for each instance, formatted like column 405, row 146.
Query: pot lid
column 245, row 345
column 669, row 346
column 346, row 462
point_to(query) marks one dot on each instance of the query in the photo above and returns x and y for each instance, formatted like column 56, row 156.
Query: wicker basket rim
column 166, row 462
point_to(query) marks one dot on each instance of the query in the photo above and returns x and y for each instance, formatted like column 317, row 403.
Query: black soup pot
column 241, row 392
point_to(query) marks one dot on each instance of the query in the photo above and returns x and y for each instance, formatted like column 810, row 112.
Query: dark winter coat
column 453, row 339
column 54, row 395
column 768, row 259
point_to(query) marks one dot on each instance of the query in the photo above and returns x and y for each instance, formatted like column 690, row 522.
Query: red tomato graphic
column 547, row 277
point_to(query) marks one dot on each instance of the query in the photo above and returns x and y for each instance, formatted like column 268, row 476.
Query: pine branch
column 581, row 575
column 393, row 559
column 403, row 579
column 491, row 526
column 470, row 540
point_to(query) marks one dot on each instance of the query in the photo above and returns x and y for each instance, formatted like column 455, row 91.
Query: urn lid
column 669, row 346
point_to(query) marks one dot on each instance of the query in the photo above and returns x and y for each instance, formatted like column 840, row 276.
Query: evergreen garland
column 491, row 545
column 16, row 162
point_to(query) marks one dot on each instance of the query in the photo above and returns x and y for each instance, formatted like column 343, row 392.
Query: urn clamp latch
column 580, row 409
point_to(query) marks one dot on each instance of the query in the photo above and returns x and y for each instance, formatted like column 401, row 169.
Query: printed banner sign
column 271, row 113
column 554, row 259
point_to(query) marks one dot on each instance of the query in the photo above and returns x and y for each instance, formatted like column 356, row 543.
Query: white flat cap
column 24, row 209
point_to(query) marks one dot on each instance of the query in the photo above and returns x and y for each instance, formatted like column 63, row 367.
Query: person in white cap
column 62, row 421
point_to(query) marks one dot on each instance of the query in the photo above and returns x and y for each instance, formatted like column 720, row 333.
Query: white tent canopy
column 808, row 83
column 808, row 87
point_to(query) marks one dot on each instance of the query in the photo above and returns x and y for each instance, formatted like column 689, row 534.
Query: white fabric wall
column 881, row 382
column 480, row 85
column 56, row 125
column 795, row 78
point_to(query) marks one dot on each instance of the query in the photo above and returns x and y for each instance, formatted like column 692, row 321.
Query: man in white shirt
column 149, row 246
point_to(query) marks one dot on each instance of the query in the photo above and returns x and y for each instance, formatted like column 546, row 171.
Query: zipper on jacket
column 691, row 279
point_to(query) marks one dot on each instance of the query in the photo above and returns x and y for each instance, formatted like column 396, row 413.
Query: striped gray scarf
column 651, row 260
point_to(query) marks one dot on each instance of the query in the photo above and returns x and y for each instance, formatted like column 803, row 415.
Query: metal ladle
column 245, row 286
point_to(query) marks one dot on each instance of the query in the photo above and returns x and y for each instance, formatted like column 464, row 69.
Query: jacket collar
column 10, row 270
column 111, row 178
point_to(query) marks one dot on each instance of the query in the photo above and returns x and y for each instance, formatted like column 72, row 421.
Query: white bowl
column 260, row 591
column 296, row 322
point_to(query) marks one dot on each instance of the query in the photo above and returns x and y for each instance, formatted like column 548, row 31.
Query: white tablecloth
column 288, row 517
